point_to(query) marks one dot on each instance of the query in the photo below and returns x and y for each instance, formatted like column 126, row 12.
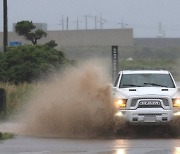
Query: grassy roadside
column 5, row 136
column 170, row 65
column 16, row 96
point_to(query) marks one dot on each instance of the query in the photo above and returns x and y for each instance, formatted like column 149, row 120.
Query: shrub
column 28, row 63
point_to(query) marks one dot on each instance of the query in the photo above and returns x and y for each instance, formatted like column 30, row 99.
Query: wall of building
column 83, row 44
column 78, row 38
column 157, row 42
column 121, row 37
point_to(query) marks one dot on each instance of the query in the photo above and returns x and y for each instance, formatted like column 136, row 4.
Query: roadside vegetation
column 16, row 95
column 28, row 30
column 5, row 136
column 147, row 64
column 160, row 64
column 152, row 58
column 23, row 67
column 30, row 63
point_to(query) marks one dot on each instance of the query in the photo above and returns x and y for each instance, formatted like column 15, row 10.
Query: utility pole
column 62, row 23
column 86, row 16
column 95, row 22
column 102, row 21
column 123, row 25
column 161, row 33
column 67, row 23
column 86, row 21
column 160, row 28
column 77, row 23
column 5, row 33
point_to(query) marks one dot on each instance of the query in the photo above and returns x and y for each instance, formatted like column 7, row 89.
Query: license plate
column 149, row 119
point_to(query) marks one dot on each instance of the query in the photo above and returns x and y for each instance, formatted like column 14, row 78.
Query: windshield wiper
column 154, row 84
column 130, row 85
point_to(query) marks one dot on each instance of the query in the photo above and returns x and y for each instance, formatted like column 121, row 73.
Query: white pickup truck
column 146, row 96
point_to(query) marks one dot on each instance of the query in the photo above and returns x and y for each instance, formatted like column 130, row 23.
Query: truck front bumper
column 147, row 115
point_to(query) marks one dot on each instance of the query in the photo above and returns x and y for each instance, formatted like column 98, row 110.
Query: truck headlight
column 177, row 114
column 120, row 103
column 176, row 102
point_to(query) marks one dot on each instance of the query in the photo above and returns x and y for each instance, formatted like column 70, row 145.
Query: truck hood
column 145, row 91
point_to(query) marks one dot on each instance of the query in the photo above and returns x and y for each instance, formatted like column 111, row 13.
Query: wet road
column 29, row 145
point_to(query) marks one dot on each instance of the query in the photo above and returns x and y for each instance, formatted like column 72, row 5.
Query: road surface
column 30, row 145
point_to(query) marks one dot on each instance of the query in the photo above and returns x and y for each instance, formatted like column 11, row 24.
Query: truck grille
column 149, row 102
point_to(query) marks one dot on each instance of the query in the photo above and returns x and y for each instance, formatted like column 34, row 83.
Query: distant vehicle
column 146, row 96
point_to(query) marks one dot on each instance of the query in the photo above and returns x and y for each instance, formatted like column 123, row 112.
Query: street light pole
column 5, row 33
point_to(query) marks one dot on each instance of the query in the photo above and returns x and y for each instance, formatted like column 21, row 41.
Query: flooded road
column 29, row 145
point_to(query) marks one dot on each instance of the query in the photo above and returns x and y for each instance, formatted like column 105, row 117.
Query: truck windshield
column 146, row 80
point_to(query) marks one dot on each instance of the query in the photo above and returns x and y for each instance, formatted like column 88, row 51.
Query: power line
column 99, row 23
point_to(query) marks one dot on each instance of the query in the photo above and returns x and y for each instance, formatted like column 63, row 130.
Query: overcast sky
column 143, row 16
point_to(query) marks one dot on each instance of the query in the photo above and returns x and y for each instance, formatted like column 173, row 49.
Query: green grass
column 147, row 64
column 16, row 96
column 5, row 136
column 170, row 65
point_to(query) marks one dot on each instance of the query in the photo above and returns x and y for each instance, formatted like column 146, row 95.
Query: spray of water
column 78, row 103
column 75, row 104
